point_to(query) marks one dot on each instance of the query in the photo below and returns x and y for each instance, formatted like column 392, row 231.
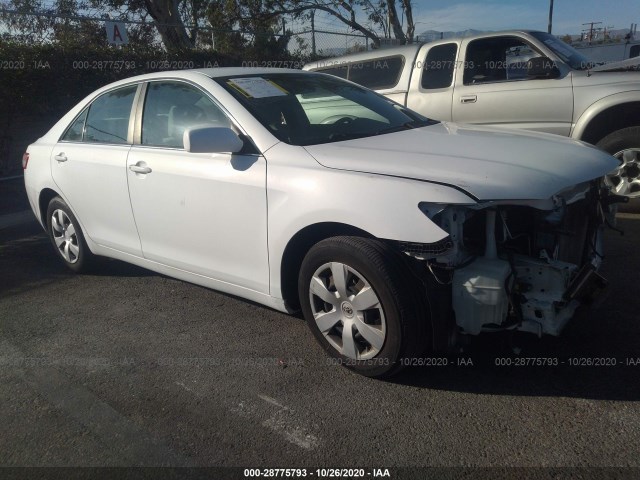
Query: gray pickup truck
column 519, row 79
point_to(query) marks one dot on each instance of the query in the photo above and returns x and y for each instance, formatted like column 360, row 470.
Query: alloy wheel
column 347, row 311
column 65, row 236
column 625, row 180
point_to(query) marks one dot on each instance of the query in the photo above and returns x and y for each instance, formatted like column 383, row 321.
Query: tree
column 170, row 25
column 346, row 11
column 170, row 18
column 258, row 28
column 64, row 23
column 396, row 25
column 349, row 11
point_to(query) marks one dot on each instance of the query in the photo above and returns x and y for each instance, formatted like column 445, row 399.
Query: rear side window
column 108, row 117
column 377, row 74
column 75, row 131
column 439, row 66
column 634, row 52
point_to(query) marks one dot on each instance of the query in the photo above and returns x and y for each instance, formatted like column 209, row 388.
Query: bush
column 40, row 83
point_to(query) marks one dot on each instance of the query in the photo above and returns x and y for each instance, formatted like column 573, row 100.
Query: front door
column 495, row 90
column 202, row 213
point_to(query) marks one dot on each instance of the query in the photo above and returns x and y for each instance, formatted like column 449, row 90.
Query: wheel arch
column 607, row 116
column 297, row 248
column 45, row 197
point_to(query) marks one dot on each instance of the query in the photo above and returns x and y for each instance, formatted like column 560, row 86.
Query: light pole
column 550, row 14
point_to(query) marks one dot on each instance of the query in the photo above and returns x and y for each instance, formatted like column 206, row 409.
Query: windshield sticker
column 257, row 87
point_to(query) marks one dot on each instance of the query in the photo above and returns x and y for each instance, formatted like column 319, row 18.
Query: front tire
column 625, row 145
column 67, row 238
column 362, row 304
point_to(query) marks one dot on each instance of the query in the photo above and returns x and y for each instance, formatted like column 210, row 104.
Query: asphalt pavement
column 125, row 367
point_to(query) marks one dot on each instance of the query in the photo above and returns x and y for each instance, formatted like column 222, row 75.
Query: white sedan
column 394, row 234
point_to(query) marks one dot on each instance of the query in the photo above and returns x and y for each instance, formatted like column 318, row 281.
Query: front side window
column 439, row 66
column 497, row 59
column 309, row 109
column 170, row 108
column 108, row 117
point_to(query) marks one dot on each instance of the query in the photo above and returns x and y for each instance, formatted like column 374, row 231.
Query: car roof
column 195, row 74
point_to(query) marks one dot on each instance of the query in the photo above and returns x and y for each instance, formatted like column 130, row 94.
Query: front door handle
column 61, row 157
column 140, row 169
column 468, row 99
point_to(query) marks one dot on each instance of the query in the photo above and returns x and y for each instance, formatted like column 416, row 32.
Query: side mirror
column 211, row 140
column 542, row 67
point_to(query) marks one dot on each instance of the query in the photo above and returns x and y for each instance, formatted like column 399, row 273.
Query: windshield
column 566, row 53
column 308, row 108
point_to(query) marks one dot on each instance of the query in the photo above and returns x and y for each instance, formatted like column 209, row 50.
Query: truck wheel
column 361, row 303
column 67, row 238
column 625, row 145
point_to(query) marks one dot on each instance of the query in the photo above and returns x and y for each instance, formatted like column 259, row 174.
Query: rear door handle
column 468, row 99
column 61, row 157
column 139, row 169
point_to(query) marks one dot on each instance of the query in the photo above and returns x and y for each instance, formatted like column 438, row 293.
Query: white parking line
column 284, row 421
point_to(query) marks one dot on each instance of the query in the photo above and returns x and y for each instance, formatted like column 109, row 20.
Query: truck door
column 431, row 89
column 495, row 89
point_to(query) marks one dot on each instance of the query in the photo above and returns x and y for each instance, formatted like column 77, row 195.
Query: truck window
column 377, row 73
column 337, row 71
column 497, row 59
column 634, row 51
column 438, row 66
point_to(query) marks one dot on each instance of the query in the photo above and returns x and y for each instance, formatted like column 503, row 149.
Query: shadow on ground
column 609, row 334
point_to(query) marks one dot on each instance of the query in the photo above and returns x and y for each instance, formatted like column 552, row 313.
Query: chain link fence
column 51, row 28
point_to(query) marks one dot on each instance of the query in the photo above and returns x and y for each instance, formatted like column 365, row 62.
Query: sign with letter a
column 116, row 33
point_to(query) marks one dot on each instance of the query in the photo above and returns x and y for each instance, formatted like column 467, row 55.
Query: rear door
column 89, row 165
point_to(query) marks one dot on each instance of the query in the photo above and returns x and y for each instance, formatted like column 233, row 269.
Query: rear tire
column 67, row 238
column 363, row 305
column 625, row 145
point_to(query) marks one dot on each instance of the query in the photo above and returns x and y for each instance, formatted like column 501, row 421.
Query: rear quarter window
column 378, row 73
column 439, row 66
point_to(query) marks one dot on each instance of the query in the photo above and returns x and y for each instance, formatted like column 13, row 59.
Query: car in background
column 394, row 234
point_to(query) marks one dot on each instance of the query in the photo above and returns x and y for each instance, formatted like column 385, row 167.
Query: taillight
column 25, row 160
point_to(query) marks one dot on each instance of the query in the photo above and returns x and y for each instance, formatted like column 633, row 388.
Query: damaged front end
column 518, row 265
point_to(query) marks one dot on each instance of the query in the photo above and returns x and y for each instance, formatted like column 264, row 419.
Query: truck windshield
column 566, row 53
column 309, row 108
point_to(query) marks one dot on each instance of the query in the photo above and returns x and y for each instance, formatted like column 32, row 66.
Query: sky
column 568, row 15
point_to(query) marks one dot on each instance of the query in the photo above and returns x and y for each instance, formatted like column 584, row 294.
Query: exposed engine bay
column 524, row 265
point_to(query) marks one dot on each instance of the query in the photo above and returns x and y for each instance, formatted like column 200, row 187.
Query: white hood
column 488, row 163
